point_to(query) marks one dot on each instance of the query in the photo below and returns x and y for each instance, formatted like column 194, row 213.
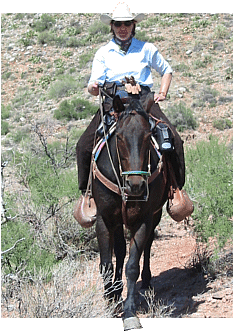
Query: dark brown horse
column 137, row 205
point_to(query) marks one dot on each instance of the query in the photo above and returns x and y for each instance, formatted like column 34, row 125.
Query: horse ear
column 149, row 101
column 117, row 104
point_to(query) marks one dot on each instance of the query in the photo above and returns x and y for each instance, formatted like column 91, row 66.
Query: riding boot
column 109, row 120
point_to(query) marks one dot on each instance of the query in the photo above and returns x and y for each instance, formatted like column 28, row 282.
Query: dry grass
column 74, row 291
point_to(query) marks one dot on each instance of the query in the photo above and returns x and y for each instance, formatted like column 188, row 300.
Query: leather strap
column 114, row 187
column 109, row 184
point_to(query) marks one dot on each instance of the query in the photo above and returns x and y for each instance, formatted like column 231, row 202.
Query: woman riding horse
column 124, row 57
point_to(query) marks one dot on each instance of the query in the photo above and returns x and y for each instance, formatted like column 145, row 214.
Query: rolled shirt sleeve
column 158, row 62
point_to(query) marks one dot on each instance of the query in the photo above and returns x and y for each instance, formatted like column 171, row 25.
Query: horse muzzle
column 136, row 184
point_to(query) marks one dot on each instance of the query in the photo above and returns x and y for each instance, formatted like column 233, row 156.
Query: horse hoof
column 131, row 323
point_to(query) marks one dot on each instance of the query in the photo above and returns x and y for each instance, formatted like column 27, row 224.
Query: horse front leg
column 120, row 253
column 130, row 320
column 146, row 273
column 105, row 241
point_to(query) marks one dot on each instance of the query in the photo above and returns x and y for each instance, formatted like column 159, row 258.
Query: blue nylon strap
column 136, row 173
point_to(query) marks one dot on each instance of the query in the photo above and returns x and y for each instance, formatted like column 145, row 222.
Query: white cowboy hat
column 121, row 13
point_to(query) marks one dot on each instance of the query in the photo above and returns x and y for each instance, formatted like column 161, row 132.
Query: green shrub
column 141, row 35
column 24, row 94
column 210, row 185
column 220, row 31
column 222, row 124
column 181, row 117
column 85, row 58
column 26, row 256
column 5, row 111
column 19, row 134
column 48, row 179
column 45, row 81
column 181, row 67
column 97, row 33
column 63, row 87
column 73, row 30
column 98, row 28
column 45, row 22
column 75, row 109
column 46, row 37
column 4, row 127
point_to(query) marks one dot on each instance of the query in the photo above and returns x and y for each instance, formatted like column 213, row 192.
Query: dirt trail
column 185, row 292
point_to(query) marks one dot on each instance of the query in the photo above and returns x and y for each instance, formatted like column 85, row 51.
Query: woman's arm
column 165, row 84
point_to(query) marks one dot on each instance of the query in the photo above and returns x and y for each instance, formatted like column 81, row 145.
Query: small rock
column 182, row 89
column 189, row 52
column 29, row 47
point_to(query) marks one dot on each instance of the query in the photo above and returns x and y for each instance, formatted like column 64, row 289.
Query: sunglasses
column 118, row 24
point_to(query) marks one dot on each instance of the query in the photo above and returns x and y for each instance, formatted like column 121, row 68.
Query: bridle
column 125, row 174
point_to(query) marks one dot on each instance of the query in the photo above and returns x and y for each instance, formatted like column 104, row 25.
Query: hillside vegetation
column 46, row 64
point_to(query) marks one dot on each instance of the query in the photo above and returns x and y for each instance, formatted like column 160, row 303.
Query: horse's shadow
column 175, row 289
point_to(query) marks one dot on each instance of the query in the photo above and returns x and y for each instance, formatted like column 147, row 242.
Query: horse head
column 133, row 134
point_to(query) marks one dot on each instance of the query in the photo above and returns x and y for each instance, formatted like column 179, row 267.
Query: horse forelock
column 134, row 108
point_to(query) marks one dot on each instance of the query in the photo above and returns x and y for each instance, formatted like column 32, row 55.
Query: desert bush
column 26, row 256
column 4, row 127
column 97, row 33
column 182, row 67
column 85, row 58
column 181, row 117
column 46, row 37
column 157, row 309
column 220, row 31
column 222, row 124
column 5, row 111
column 65, row 85
column 45, row 22
column 210, row 185
column 75, row 109
column 22, row 96
column 98, row 27
column 75, row 291
column 142, row 35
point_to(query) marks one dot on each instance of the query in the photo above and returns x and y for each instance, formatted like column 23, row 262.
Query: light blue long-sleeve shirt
column 111, row 64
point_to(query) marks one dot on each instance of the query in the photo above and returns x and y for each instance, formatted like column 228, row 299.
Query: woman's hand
column 93, row 89
column 159, row 97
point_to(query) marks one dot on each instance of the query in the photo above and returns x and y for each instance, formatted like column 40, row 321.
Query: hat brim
column 106, row 19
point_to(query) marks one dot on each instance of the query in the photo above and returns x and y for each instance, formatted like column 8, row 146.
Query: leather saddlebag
column 85, row 211
column 179, row 205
